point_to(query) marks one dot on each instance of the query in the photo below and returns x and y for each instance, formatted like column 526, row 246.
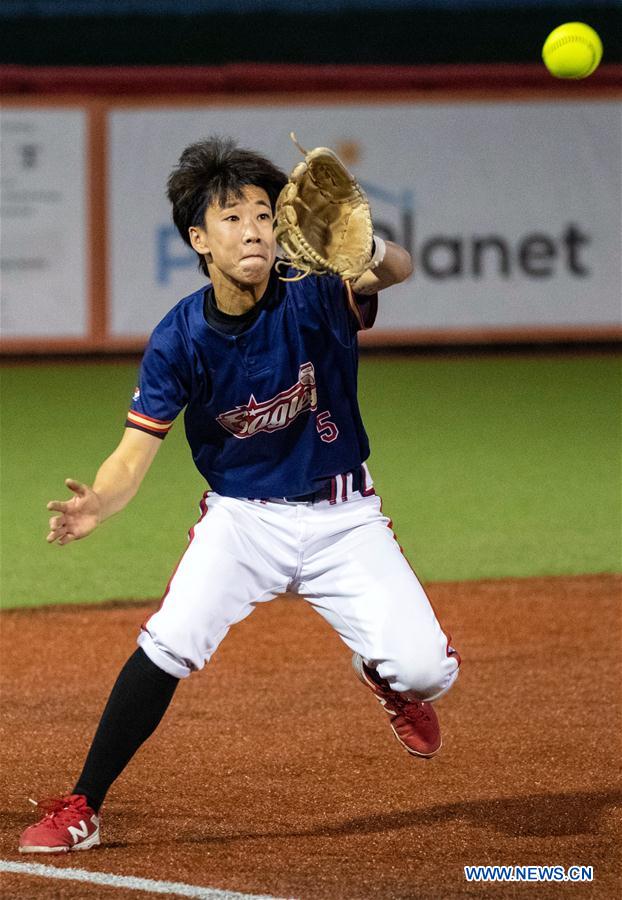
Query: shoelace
column 54, row 807
column 413, row 710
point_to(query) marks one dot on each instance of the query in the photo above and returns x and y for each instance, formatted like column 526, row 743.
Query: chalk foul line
column 130, row 882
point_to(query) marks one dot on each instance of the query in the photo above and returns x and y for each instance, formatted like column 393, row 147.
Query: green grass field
column 489, row 467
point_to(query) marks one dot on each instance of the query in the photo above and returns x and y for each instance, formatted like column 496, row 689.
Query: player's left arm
column 395, row 267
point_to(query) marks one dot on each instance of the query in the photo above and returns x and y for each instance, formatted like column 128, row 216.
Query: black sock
column 138, row 701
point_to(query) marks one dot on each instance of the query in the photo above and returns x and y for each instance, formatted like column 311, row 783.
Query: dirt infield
column 275, row 772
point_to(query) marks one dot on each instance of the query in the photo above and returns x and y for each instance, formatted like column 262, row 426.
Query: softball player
column 266, row 371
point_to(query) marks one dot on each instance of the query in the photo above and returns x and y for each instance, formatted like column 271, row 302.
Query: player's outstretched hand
column 77, row 517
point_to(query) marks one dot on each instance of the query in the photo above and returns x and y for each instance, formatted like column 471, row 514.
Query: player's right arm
column 162, row 392
column 116, row 482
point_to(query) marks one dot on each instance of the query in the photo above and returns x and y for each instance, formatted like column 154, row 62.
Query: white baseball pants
column 342, row 558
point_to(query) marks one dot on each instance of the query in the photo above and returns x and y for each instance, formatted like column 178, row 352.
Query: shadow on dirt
column 539, row 815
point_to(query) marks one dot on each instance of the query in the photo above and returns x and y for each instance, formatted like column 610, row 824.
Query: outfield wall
column 510, row 203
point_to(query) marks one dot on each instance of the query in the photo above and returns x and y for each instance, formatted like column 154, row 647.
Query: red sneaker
column 68, row 824
column 414, row 722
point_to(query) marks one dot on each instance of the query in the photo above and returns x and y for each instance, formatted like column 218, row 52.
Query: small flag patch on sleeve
column 157, row 427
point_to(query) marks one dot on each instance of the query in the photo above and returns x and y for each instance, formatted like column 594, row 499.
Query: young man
column 266, row 371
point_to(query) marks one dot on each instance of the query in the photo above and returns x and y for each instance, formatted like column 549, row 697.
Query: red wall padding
column 249, row 78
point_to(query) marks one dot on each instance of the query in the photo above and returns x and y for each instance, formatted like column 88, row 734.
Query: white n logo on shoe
column 78, row 831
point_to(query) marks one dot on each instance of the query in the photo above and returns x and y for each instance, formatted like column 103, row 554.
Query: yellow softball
column 572, row 50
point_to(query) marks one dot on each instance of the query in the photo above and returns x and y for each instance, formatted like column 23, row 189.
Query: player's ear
column 198, row 239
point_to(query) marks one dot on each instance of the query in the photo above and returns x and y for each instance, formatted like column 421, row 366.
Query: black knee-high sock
column 138, row 701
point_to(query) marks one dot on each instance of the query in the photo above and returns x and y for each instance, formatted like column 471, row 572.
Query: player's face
column 239, row 237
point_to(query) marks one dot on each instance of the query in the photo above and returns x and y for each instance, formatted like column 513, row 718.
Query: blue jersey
column 271, row 411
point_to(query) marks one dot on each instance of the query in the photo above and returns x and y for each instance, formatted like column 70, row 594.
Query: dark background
column 408, row 32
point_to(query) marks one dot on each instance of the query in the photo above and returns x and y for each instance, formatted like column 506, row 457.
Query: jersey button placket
column 250, row 362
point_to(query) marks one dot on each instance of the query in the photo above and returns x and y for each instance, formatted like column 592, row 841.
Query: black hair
column 213, row 171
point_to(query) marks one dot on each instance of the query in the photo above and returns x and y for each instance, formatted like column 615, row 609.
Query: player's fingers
column 66, row 539
column 63, row 505
column 55, row 522
column 56, row 531
column 76, row 486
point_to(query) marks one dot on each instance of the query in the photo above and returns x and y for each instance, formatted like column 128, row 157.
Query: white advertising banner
column 511, row 211
column 43, row 223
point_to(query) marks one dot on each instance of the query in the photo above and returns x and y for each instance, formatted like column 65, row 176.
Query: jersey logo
column 136, row 395
column 276, row 413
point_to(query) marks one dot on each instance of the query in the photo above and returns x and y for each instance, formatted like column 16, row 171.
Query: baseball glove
column 323, row 220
